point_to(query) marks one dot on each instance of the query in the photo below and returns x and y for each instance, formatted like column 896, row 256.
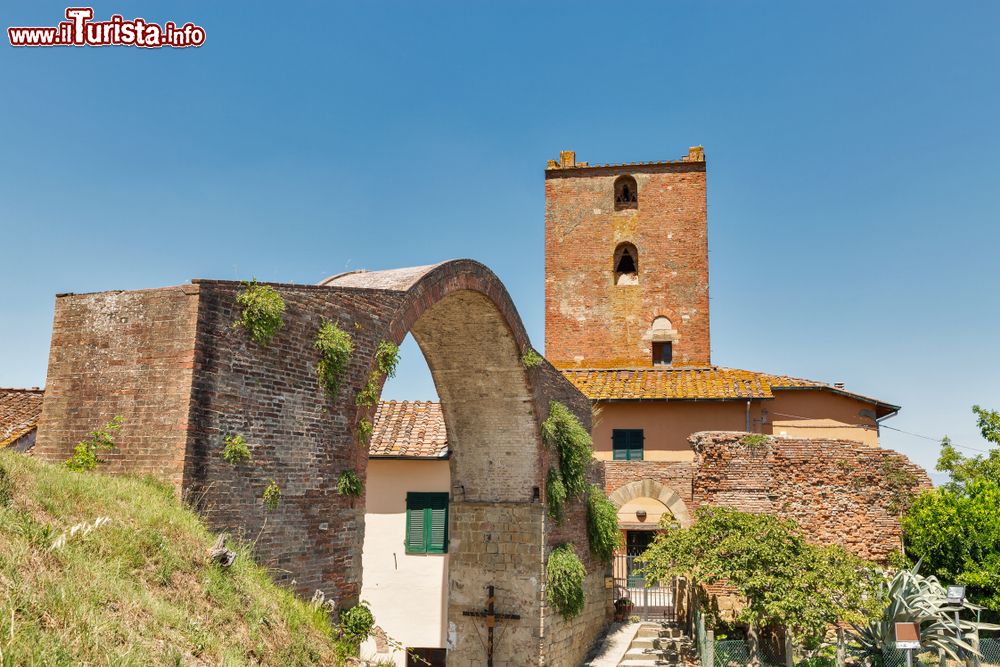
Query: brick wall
column 678, row 475
column 590, row 321
column 128, row 354
column 838, row 491
column 184, row 377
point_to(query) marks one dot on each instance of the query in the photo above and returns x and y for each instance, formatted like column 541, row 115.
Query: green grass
column 139, row 590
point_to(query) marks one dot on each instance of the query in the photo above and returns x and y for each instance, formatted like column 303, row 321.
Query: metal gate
column 660, row 602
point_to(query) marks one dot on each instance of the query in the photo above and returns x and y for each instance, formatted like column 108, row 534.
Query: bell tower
column 626, row 263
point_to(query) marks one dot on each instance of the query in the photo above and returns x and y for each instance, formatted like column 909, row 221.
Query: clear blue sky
column 853, row 152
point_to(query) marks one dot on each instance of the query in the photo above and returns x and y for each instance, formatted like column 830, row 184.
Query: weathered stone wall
column 590, row 321
column 122, row 353
column 838, row 491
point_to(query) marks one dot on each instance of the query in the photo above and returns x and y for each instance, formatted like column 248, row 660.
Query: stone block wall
column 838, row 491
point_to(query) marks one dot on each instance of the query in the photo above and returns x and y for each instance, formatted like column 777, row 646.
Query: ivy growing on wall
column 602, row 524
column 349, row 484
column 335, row 347
column 564, row 433
column 271, row 496
column 386, row 360
column 564, row 581
column 555, row 495
column 236, row 450
column 262, row 311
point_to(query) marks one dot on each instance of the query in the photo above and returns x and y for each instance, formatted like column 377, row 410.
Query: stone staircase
column 657, row 644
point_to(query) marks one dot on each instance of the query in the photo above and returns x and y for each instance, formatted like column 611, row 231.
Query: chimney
column 567, row 159
column 838, row 385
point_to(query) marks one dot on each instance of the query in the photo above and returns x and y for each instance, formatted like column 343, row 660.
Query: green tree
column 783, row 580
column 955, row 528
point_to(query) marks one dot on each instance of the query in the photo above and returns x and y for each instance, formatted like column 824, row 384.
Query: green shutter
column 619, row 444
column 626, row 444
column 426, row 523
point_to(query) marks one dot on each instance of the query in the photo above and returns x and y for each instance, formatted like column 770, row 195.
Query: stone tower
column 626, row 263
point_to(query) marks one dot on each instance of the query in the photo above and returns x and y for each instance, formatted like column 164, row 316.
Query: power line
column 933, row 439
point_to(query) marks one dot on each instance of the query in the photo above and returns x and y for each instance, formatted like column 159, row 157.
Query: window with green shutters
column 426, row 523
column 626, row 444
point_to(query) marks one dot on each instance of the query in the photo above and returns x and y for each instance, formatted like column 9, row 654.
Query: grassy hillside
column 139, row 590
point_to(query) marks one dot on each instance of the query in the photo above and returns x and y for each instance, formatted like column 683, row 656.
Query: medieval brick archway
column 650, row 488
column 184, row 378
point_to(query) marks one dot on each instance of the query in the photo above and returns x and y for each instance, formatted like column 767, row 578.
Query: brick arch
column 472, row 338
column 650, row 488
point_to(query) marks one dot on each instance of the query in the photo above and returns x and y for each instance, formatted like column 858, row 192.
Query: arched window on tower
column 626, row 193
column 626, row 264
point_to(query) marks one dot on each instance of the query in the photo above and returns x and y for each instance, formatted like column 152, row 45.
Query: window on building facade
column 626, row 193
column 663, row 353
column 626, row 444
column 426, row 523
column 626, row 264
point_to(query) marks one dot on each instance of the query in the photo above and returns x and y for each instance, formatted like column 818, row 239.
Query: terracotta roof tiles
column 408, row 429
column 19, row 412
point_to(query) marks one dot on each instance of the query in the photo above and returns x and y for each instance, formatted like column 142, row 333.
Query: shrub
column 85, row 453
column 262, row 312
column 555, row 495
column 357, row 622
column 349, row 484
column 271, row 496
column 602, row 524
column 564, row 432
column 564, row 581
column 236, row 451
column 335, row 348
column 530, row 358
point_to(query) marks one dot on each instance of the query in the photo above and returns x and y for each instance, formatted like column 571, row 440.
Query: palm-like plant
column 915, row 598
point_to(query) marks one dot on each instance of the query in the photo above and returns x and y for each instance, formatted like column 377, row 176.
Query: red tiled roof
column 19, row 412
column 408, row 429
column 694, row 383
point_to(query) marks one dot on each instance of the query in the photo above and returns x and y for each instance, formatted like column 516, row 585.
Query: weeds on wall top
column 236, row 450
column 564, row 433
column 349, row 484
column 602, row 525
column 754, row 441
column 271, row 496
column 85, row 453
column 262, row 311
column 564, row 575
column 530, row 358
column 335, row 347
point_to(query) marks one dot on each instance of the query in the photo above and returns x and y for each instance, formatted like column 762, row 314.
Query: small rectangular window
column 663, row 353
column 426, row 523
column 626, row 444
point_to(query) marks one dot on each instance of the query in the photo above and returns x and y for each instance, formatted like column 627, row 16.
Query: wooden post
column 709, row 658
column 789, row 649
column 841, row 648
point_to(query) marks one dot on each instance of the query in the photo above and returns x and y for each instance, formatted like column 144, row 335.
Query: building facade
column 627, row 321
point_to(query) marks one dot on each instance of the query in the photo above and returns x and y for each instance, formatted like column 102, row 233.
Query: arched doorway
column 644, row 508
